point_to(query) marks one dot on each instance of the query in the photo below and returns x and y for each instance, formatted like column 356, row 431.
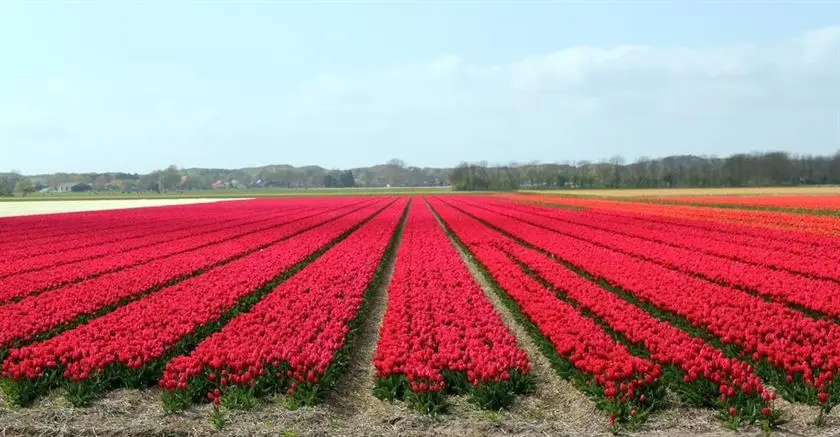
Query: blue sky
column 103, row 86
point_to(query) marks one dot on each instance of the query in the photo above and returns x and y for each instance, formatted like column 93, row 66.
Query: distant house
column 46, row 190
column 219, row 185
column 72, row 187
column 66, row 187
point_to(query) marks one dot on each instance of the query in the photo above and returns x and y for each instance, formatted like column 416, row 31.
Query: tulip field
column 811, row 203
column 440, row 305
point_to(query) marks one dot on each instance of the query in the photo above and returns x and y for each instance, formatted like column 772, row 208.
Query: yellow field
column 648, row 192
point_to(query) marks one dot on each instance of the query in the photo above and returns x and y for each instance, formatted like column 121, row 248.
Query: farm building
column 65, row 187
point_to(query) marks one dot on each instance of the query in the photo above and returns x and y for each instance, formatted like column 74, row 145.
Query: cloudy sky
column 104, row 86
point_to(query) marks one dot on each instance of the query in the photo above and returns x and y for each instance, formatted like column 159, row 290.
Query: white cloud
column 821, row 47
column 593, row 102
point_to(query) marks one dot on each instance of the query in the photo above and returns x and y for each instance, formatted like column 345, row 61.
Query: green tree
column 7, row 185
column 471, row 177
column 24, row 187
column 170, row 178
column 347, row 179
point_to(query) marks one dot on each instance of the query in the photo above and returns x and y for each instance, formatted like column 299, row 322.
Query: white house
column 66, row 187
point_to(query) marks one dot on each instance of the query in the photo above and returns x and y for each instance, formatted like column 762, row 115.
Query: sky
column 130, row 86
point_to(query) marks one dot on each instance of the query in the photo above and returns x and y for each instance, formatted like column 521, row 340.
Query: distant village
column 394, row 173
column 81, row 187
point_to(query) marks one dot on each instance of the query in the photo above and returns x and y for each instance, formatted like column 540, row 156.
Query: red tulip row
column 20, row 237
column 758, row 220
column 167, row 232
column 818, row 295
column 706, row 375
column 815, row 261
column 440, row 333
column 722, row 381
column 808, row 202
column 796, row 353
column 289, row 342
column 49, row 226
column 48, row 312
column 814, row 224
column 780, row 239
column 26, row 284
column 746, row 242
column 130, row 223
column 131, row 344
column 69, row 232
column 801, row 243
column 149, row 239
column 621, row 383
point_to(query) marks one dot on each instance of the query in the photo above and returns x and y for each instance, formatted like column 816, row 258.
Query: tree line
column 741, row 170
